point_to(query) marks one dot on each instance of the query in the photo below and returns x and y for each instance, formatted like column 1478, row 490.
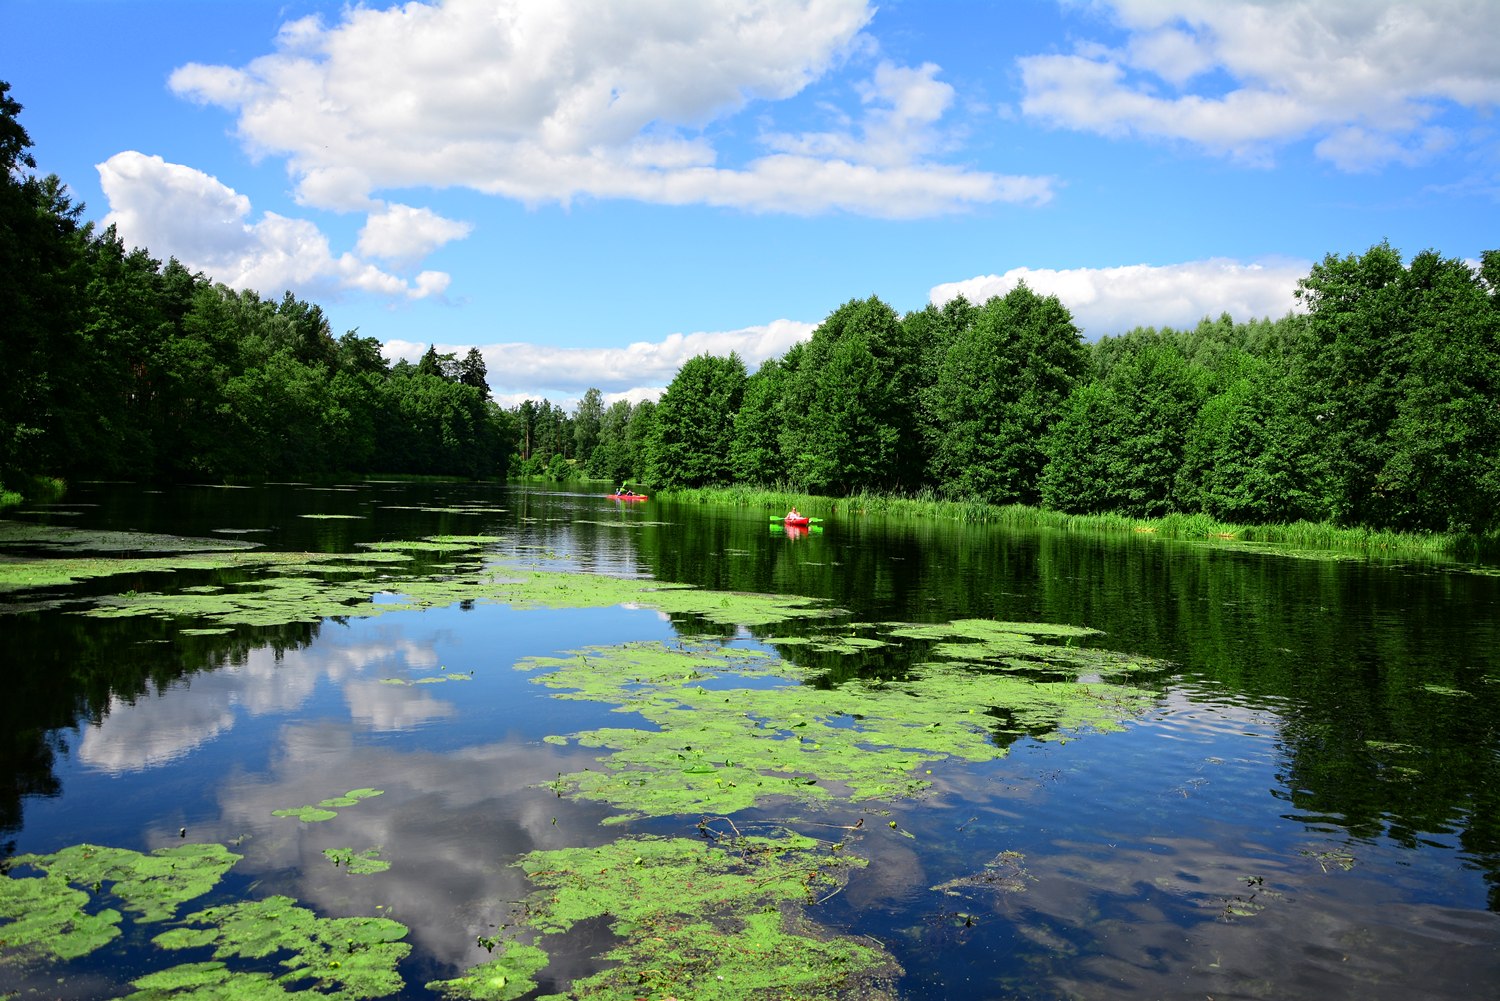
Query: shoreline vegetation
column 1366, row 420
column 1302, row 534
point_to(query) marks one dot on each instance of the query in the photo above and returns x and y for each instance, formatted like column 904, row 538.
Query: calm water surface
column 1311, row 809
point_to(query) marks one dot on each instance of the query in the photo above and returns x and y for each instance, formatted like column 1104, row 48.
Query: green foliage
column 693, row 428
column 849, row 410
column 1379, row 408
column 587, row 419
column 116, row 365
column 1250, row 455
column 1119, row 444
column 1401, row 371
column 1000, row 388
column 756, row 451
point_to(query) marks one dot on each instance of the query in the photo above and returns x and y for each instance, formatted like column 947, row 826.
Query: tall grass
column 41, row 489
column 928, row 506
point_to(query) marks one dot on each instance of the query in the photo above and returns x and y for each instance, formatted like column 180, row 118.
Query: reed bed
column 928, row 506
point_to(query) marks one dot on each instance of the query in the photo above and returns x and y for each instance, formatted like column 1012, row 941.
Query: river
column 1286, row 783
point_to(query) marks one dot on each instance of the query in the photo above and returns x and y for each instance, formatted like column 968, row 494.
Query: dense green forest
column 1377, row 404
column 118, row 366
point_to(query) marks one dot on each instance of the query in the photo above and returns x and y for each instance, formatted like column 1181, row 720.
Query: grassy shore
column 1302, row 534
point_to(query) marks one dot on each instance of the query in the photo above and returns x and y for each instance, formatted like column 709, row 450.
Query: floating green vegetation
column 307, row 587
column 333, row 517
column 16, row 575
column 273, row 599
column 711, row 750
column 357, row 863
column 1249, row 902
column 56, row 538
column 322, row 957
column 1330, row 858
column 545, row 589
column 722, row 917
column 327, row 809
column 509, row 976
column 456, row 509
column 446, row 544
column 833, row 643
column 1005, row 873
column 1028, row 646
column 58, row 914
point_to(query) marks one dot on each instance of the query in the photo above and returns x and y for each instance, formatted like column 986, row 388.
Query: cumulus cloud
column 1368, row 80
column 404, row 234
column 519, row 371
column 551, row 101
column 207, row 226
column 1113, row 300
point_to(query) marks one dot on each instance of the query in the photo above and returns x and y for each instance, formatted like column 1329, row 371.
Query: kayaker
column 794, row 513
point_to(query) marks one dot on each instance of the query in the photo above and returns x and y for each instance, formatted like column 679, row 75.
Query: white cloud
column 519, row 371
column 1113, row 300
column 556, row 100
column 179, row 211
column 404, row 234
column 1366, row 79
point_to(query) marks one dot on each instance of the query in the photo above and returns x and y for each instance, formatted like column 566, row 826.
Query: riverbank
column 1302, row 534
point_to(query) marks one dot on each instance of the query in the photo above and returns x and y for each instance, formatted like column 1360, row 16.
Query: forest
column 117, row 366
column 1377, row 403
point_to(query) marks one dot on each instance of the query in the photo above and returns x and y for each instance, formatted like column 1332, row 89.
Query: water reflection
column 1312, row 808
column 165, row 723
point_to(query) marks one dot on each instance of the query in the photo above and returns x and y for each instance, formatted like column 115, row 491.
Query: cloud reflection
column 166, row 724
column 452, row 825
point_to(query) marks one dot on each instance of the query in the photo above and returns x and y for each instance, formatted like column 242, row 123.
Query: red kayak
column 626, row 497
column 801, row 521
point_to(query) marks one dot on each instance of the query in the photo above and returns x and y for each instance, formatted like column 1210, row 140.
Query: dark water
column 1311, row 809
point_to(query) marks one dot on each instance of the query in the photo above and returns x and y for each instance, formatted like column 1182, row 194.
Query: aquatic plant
column 353, row 957
column 712, row 919
column 357, row 863
column 510, row 975
column 710, row 751
column 58, row 912
column 325, row 809
column 1299, row 538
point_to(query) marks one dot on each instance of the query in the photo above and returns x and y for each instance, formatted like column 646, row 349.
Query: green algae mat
column 712, row 732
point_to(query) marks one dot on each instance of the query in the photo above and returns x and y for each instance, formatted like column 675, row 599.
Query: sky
column 594, row 191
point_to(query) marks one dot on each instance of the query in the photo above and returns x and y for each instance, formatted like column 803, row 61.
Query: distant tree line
column 1379, row 405
column 115, row 365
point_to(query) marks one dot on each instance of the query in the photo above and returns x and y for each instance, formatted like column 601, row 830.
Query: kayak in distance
column 626, row 497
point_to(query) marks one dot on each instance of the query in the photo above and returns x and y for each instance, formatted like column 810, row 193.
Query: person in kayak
column 794, row 513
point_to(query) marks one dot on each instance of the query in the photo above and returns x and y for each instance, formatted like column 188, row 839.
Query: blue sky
column 593, row 191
